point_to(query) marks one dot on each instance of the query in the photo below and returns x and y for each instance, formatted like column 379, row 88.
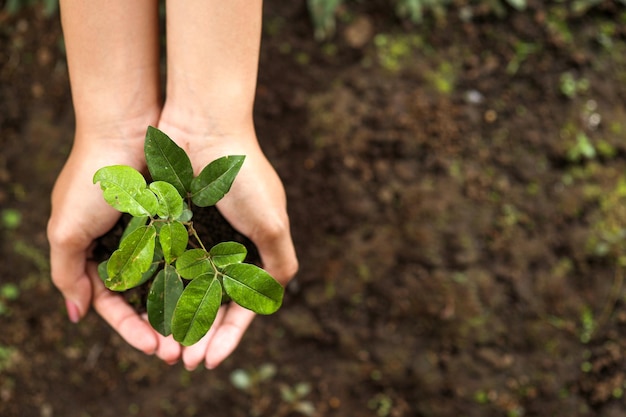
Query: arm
column 213, row 52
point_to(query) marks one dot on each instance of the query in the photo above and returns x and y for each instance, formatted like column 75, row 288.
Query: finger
column 121, row 316
column 76, row 218
column 266, row 222
column 227, row 334
column 271, row 234
column 278, row 254
column 169, row 350
column 67, row 269
column 193, row 355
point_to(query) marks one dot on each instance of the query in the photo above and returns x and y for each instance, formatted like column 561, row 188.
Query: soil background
column 457, row 194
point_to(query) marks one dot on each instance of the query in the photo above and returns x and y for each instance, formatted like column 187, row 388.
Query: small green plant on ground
column 9, row 356
column 582, row 149
column 523, row 51
column 293, row 397
column 49, row 6
column 413, row 10
column 393, row 51
column 189, row 282
column 8, row 292
column 571, row 86
column 11, row 218
column 607, row 236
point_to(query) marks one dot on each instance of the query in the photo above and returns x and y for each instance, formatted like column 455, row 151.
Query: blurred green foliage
column 608, row 232
column 413, row 10
column 324, row 12
column 49, row 6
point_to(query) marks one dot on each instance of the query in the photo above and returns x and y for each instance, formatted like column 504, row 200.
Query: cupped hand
column 256, row 207
column 79, row 216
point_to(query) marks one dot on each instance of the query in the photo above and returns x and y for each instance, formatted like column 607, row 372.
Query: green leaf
column 156, row 261
column 167, row 161
column 518, row 4
column 164, row 293
column 215, row 180
column 170, row 202
column 125, row 189
column 174, row 238
column 227, row 253
column 158, row 251
column 134, row 257
column 196, row 309
column 102, row 270
column 253, row 288
column 134, row 224
column 186, row 215
column 193, row 263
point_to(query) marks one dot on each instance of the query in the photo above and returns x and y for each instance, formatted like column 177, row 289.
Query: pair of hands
column 255, row 205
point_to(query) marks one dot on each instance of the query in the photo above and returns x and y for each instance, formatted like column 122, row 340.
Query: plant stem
column 195, row 234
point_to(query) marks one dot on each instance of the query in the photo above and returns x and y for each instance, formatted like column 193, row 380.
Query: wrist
column 201, row 123
column 123, row 132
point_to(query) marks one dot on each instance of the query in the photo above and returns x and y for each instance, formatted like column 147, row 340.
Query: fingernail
column 72, row 311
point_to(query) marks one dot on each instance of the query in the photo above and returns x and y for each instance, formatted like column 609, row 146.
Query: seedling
column 8, row 292
column 293, row 397
column 11, row 218
column 188, row 281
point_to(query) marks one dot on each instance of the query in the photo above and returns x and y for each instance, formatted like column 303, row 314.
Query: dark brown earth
column 457, row 196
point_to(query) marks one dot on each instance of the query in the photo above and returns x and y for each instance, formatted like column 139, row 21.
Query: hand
column 79, row 216
column 256, row 207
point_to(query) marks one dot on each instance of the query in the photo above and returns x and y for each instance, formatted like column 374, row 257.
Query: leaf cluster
column 188, row 282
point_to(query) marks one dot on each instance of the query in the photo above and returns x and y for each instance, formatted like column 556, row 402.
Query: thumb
column 68, row 271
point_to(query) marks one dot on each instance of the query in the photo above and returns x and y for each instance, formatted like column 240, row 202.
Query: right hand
column 256, row 207
column 79, row 216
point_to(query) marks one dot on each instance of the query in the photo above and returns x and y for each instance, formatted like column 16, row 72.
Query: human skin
column 212, row 62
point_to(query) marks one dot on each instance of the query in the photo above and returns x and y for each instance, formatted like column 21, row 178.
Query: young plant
column 189, row 281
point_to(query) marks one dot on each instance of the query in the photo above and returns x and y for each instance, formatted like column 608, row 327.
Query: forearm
column 213, row 52
column 112, row 54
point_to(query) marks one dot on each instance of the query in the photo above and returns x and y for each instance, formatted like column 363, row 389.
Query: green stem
column 195, row 234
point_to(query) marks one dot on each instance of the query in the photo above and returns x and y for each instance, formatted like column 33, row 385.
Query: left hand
column 255, row 206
